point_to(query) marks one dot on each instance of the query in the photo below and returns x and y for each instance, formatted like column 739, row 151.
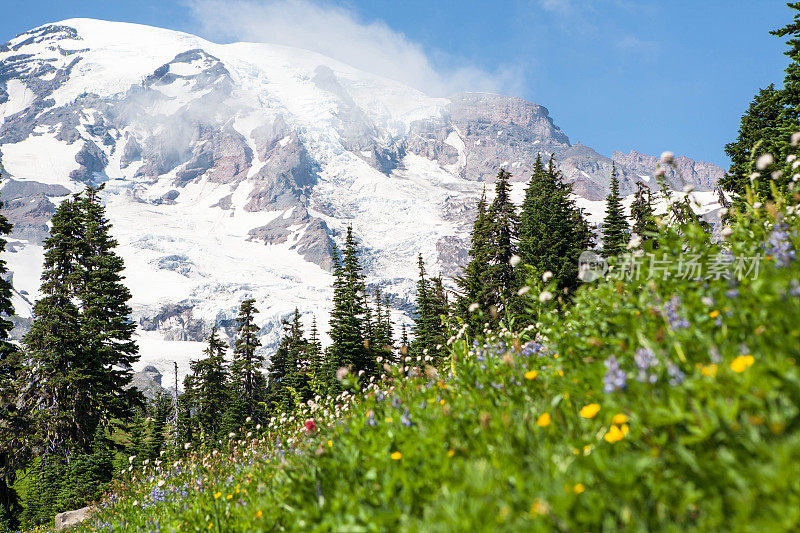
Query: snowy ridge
column 232, row 169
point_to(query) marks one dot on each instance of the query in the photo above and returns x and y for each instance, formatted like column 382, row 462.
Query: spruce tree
column 642, row 212
column 760, row 130
column 473, row 282
column 208, row 387
column 106, row 326
column 350, row 346
column 552, row 230
column 11, row 420
column 502, row 232
column 58, row 380
column 616, row 232
column 246, row 361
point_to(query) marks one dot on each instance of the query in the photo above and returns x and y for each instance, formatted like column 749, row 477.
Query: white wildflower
column 547, row 276
column 795, row 138
column 764, row 160
column 515, row 260
column 667, row 157
column 523, row 291
column 635, row 242
column 473, row 307
column 545, row 296
column 727, row 231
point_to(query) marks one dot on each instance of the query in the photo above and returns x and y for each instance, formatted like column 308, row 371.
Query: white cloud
column 339, row 33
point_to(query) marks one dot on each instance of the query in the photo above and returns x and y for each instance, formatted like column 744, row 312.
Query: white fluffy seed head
column 545, row 296
column 473, row 307
column 547, row 276
column 764, row 160
column 515, row 260
column 667, row 157
column 795, row 138
column 727, row 231
column 523, row 291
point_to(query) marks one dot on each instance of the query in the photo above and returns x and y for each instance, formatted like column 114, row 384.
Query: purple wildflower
column 676, row 375
column 646, row 360
column 615, row 378
column 671, row 312
column 779, row 245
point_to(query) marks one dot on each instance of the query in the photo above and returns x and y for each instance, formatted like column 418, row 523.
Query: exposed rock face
column 72, row 518
column 703, row 176
column 231, row 169
column 148, row 382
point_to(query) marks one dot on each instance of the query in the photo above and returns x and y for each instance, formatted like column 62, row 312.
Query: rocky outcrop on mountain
column 700, row 175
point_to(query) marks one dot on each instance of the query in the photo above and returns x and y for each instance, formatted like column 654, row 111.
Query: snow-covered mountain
column 232, row 169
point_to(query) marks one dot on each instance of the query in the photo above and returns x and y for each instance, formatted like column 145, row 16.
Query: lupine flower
column 671, row 312
column 779, row 245
column 405, row 419
column 615, row 378
column 645, row 360
column 676, row 375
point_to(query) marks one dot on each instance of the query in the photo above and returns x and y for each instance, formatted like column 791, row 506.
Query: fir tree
column 349, row 346
column 246, row 361
column 616, row 232
column 59, row 381
column 106, row 327
column 428, row 329
column 552, row 230
column 11, row 420
column 642, row 212
column 472, row 283
column 760, row 130
column 502, row 232
column 208, row 387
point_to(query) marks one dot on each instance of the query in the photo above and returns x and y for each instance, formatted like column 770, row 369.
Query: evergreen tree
column 473, row 282
column 290, row 374
column 11, row 420
column 58, row 381
column 760, row 130
column 428, row 329
column 349, row 346
column 642, row 212
column 207, row 386
column 552, row 230
column 502, row 232
column 106, row 327
column 246, row 361
column 616, row 232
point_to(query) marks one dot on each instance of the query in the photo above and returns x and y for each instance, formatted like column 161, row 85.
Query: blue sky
column 615, row 74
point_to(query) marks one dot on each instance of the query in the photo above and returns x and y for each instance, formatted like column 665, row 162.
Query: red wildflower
column 311, row 427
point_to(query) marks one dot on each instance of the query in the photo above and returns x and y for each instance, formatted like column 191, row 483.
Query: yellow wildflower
column 330, row 444
column 614, row 434
column 708, row 370
column 579, row 488
column 217, row 495
column 259, row 514
column 442, row 401
column 396, row 456
column 714, row 314
column 543, row 420
column 230, row 496
column 590, row 410
column 539, row 507
column 620, row 419
column 531, row 374
column 451, row 452
column 741, row 363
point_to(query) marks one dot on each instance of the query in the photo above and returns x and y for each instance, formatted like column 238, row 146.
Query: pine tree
column 246, row 361
column 473, row 282
column 642, row 212
column 106, row 327
column 208, row 387
column 616, row 232
column 58, row 380
column 552, row 230
column 290, row 373
column 760, row 130
column 11, row 420
column 350, row 345
column 428, row 329
column 503, row 229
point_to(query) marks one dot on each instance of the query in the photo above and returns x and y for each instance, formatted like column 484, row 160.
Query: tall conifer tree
column 207, row 387
column 552, row 230
column 616, row 232
column 246, row 361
